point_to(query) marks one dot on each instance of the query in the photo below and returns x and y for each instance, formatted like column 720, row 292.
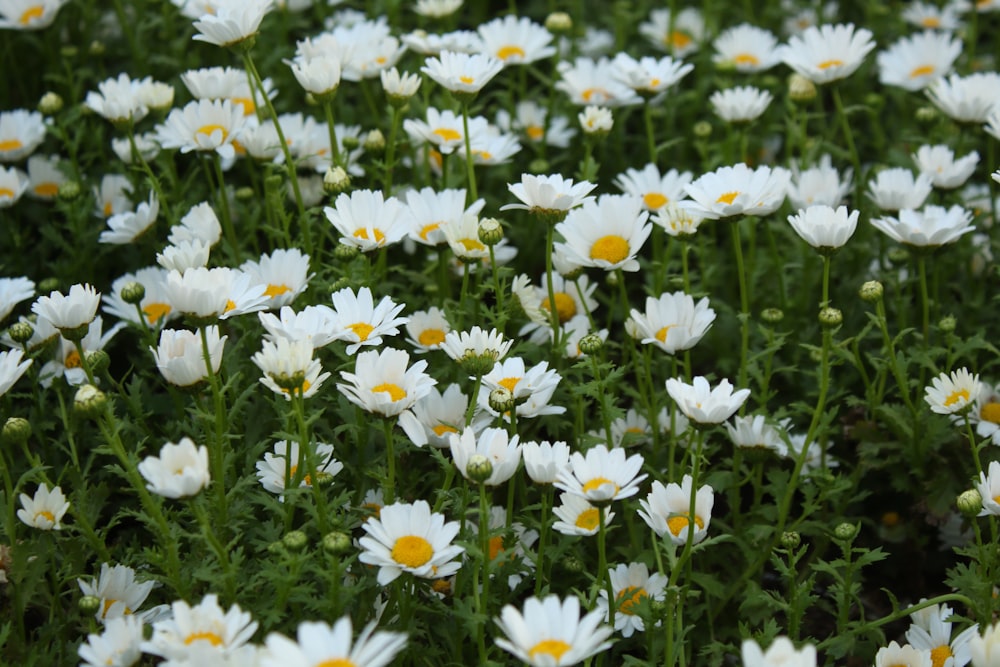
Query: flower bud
column 479, row 468
column 948, row 324
column 490, row 231
column 323, row 479
column 245, row 193
column 336, row 543
column 898, row 255
column 48, row 285
column 772, row 315
column 273, row 182
column 573, row 564
column 50, row 104
column 702, row 129
column 21, row 332
column 96, row 48
column 970, row 503
column 345, row 253
column 478, row 364
column 15, row 430
column 831, row 317
column 800, row 88
column 295, row 540
column 68, row 51
column 88, row 605
column 74, row 334
column 591, row 343
column 502, row 399
column 98, row 361
column 539, row 166
column 89, row 401
column 350, row 143
column 845, row 532
column 375, row 141
column 69, row 190
column 871, row 291
column 790, row 540
column 336, row 180
column 276, row 548
column 926, row 114
column 558, row 22
column 133, row 292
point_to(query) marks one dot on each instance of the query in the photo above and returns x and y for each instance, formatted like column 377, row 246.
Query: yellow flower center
column 107, row 607
column 336, row 662
column 363, row 234
column 956, row 396
column 72, row 360
column 510, row 51
column 553, row 647
column 6, row 192
column 923, row 70
column 33, row 12
column 230, row 305
column 441, row 586
column 483, row 155
column 727, row 197
column 107, row 210
column 661, row 335
column 467, row 80
column 361, row 330
column 827, row 64
column 496, row 546
column 412, row 551
column 653, row 83
column 990, row 412
column 431, row 337
column 276, row 290
column 10, row 144
column 394, row 390
column 939, row 654
column 209, row 129
column 611, row 249
column 46, row 514
column 472, row 244
column 46, row 189
column 747, row 59
column 629, row 598
column 307, row 480
column 679, row 524
column 248, row 104
column 426, row 230
column 448, row 134
column 442, row 428
column 154, row 312
column 654, row 200
column 588, row 519
column 204, row 635
column 509, row 383
column 565, row 306
column 590, row 92
column 930, row 22
column 890, row 519
column 535, row 132
column 598, row 482
column 303, row 388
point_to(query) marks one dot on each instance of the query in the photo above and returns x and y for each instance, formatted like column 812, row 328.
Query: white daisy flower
column 126, row 227
column 678, row 221
column 284, row 271
column 180, row 470
column 545, row 461
column 203, row 125
column 112, row 195
column 319, row 75
column 746, row 48
column 916, row 61
column 895, row 655
column 436, row 9
column 29, row 14
column 426, row 329
column 985, row 649
column 571, row 301
column 21, row 132
column 824, row 228
column 757, row 434
column 12, row 368
column 183, row 256
column 607, row 233
column 180, row 358
column 501, row 450
column 578, row 517
column 602, row 475
column 828, row 52
column 680, row 36
column 199, row 224
column 530, row 120
column 820, row 184
column 118, row 645
column 410, row 538
column 204, row 625
column 67, row 361
column 596, row 120
column 667, row 510
column 428, row 212
column 13, row 184
column 443, row 130
column 649, row 76
column 462, row 72
column 897, row 188
column 928, row 15
column 460, row 41
column 532, row 388
column 288, row 366
column 399, row 86
column 44, row 176
column 70, row 311
column 118, row 100
column 929, row 227
column 276, row 470
column 656, row 189
column 936, row 638
column 950, row 394
column 704, row 405
column 986, row 413
column 673, row 322
column 314, row 324
column 45, row 509
column 320, row 644
column 968, row 99
column 12, row 292
column 548, row 194
column 551, row 632
column 358, row 321
column 940, row 164
column 515, row 40
column 218, row 292
column 145, row 144
column 592, row 82
column 435, row 417
column 232, row 22
column 741, row 104
column 383, row 384
column 738, row 190
column 367, row 220
column 631, row 584
column 781, row 653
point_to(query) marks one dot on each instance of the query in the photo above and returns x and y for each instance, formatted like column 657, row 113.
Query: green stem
column 332, row 129
column 925, row 302
column 217, row 456
column 390, row 150
column 744, row 316
column 543, row 537
column 849, row 138
column 470, row 172
column 390, row 458
column 484, row 571
column 227, row 218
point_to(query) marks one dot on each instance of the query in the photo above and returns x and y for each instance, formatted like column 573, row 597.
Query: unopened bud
column 926, row 114
column 350, row 143
column 98, row 361
column 478, row 364
column 558, row 22
column 702, row 129
column 74, row 334
column 89, row 401
column 295, row 540
column 345, row 252
column 96, row 48
column 791, row 540
column 336, row 180
column 50, row 104
column 375, row 141
column 573, row 564
column 871, row 291
column 948, row 324
column 89, row 604
column 800, row 88
column 273, row 182
column 845, row 532
column 16, row 430
column 831, row 317
column 336, row 543
column 490, row 231
column 323, row 479
column 69, row 190
column 772, row 315
column 21, row 332
column 970, row 503
column 539, row 166
column 49, row 284
column 591, row 343
column 133, row 292
column 898, row 255
column 245, row 193
column 502, row 399
column 479, row 468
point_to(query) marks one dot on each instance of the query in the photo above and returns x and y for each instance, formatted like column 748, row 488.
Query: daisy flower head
column 656, row 189
column 204, row 625
column 13, row 184
column 667, row 510
column 476, row 350
column 986, row 413
column 631, row 584
column 549, row 196
column 895, row 655
column 544, row 461
column 937, row 639
column 200, row 223
column 503, row 453
column 234, row 22
column 12, row 292
column 930, row 16
column 408, row 537
column 756, row 435
column 399, row 87
column 29, row 14
column 383, row 384
column 462, row 73
column 952, row 393
column 367, row 220
column 819, row 184
column 68, row 361
column 679, row 35
column 677, row 220
column 45, row 509
column 916, row 61
column 940, row 164
column 117, row 100
column 426, row 329
column 589, row 82
column 578, row 517
column 931, row 226
column 21, row 132
column 968, row 99
column 601, row 475
column 781, row 652
column 746, row 48
column 738, row 190
column 120, row 643
column 287, row 457
column 571, row 301
column 429, row 211
column 985, row 649
column 44, row 176
column 319, row 75
column 70, row 313
column 284, row 272
column 183, row 256
column 673, row 322
column 359, row 321
column 607, row 233
column 226, row 83
column 221, row 292
column 704, row 405
column 531, row 389
column 12, row 368
column 318, row 644
column 515, row 40
column 897, row 188
column 530, row 120
column 596, row 121
column 649, row 76
column 127, row 227
column 179, row 355
column 180, row 471
column 741, row 104
column 551, row 632
column 288, row 368
column 824, row 227
column 828, row 52
column 436, row 417
column 203, row 125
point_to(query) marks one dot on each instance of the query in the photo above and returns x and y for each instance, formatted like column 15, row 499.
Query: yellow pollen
column 33, row 12
column 430, row 337
column 661, row 335
column 363, row 234
column 483, row 155
column 6, row 192
column 931, row 22
column 304, row 387
column 590, row 92
column 448, row 134
column 10, row 144
column 611, row 249
column 307, row 480
column 510, row 51
column 990, row 412
column 565, row 306
column 248, row 105
column 412, row 551
column 509, row 383
column 827, row 64
column 107, row 607
column 654, row 200
column 553, row 647
column 747, row 59
column 72, row 360
column 47, row 514
column 939, row 654
column 441, row 429
column 426, row 230
column 46, row 189
column 678, row 524
column 361, row 330
column 107, row 210
column 380, row 60
column 154, row 312
column 337, row 662
column 923, row 70
column 467, row 80
column 472, row 244
column 727, row 197
column 535, row 132
column 276, row 290
column 634, row 429
column 654, row 83
column 209, row 129
column 680, row 39
column 496, row 546
column 956, row 396
column 588, row 519
column 230, row 305
column 632, row 595
column 211, row 637
column 395, row 392
column 598, row 482
column 996, row 499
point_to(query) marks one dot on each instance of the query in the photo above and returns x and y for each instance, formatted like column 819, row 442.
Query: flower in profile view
column 966, row 99
column 203, row 125
column 929, row 227
column 399, row 87
column 551, row 632
column 69, row 312
column 985, row 649
column 515, row 40
column 288, row 368
column 29, row 14
column 544, row 461
column 436, row 9
column 12, row 368
column 741, row 104
column 462, row 72
column 704, row 405
column 179, row 356
column 667, row 510
column 828, row 52
column 21, row 132
column 674, row 322
column 12, row 292
column 897, row 188
column 631, row 584
column 746, row 48
column 383, row 384
column 916, row 61
column 13, row 184
column 895, row 655
column 756, row 435
column 476, row 347
column 319, row 75
column 781, row 653
column 320, row 644
column 119, row 644
column 945, row 170
column 180, row 471
column 602, row 475
column 410, row 538
column 738, row 190
column 550, row 195
column 191, row 630
column 819, row 184
column 649, row 76
column 233, row 21
column 503, row 452
column 595, row 120
column 125, row 228
column 823, row 227
column 589, row 82
column 45, row 509
column 120, row 594
column 219, row 292
column 952, row 393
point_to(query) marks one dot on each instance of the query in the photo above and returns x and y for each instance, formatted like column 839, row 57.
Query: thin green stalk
column 604, row 581
column 925, row 302
column 647, row 115
column 849, row 138
column 543, row 537
column 390, row 458
column 227, row 218
column 332, row 130
column 306, row 448
column 744, row 308
column 484, row 570
column 470, row 171
column 390, row 150
column 217, row 454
